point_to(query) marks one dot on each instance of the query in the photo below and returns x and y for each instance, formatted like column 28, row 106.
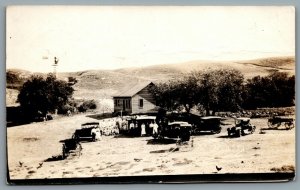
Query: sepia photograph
column 150, row 94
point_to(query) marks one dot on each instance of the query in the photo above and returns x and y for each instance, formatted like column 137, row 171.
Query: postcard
column 150, row 94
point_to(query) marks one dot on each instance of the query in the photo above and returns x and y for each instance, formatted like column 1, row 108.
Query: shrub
column 87, row 105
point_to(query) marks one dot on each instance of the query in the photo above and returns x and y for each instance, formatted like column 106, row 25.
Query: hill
column 102, row 84
column 249, row 68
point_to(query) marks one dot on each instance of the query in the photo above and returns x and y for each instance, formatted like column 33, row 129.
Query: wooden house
column 135, row 99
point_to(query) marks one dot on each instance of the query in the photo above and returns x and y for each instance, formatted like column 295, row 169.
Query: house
column 135, row 99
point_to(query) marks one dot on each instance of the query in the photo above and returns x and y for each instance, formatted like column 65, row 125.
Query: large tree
column 216, row 90
column 164, row 94
column 220, row 90
column 275, row 90
column 39, row 95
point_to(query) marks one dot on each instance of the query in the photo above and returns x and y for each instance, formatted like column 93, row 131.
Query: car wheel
column 93, row 137
column 238, row 133
column 228, row 132
column 185, row 137
column 218, row 131
column 64, row 152
column 253, row 129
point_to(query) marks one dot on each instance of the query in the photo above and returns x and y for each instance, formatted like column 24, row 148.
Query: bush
column 64, row 109
column 87, row 105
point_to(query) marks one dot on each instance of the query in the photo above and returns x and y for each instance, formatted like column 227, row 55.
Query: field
column 33, row 149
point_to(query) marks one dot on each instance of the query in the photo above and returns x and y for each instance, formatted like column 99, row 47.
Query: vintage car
column 176, row 129
column 137, row 121
column 71, row 146
column 87, row 132
column 242, row 127
column 211, row 124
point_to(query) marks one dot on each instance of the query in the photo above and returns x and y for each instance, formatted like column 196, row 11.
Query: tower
column 54, row 66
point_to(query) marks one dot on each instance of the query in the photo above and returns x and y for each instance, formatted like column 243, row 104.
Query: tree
column 275, row 90
column 163, row 94
column 219, row 90
column 13, row 80
column 187, row 92
column 38, row 96
column 216, row 90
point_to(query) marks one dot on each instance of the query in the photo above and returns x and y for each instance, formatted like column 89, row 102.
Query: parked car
column 87, row 132
column 137, row 121
column 242, row 127
column 210, row 124
column 176, row 129
column 71, row 146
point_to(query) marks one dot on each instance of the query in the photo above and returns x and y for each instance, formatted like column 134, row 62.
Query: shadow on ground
column 54, row 158
column 161, row 141
column 279, row 129
column 228, row 137
column 100, row 116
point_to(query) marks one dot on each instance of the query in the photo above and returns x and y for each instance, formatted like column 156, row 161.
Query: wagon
column 242, row 127
column 211, row 124
column 71, row 146
column 86, row 131
column 277, row 121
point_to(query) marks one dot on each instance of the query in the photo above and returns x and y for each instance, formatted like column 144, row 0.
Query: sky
column 112, row 37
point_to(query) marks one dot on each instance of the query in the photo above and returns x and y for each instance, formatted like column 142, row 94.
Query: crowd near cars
column 179, row 127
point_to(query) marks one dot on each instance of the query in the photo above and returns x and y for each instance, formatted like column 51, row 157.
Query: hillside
column 249, row 68
column 102, row 84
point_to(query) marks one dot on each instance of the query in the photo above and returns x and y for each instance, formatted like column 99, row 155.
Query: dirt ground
column 32, row 150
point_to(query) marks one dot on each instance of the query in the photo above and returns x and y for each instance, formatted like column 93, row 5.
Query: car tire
column 228, row 132
column 185, row 137
column 64, row 152
column 218, row 131
column 93, row 137
column 238, row 133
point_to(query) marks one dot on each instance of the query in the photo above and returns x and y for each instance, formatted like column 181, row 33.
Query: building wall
column 120, row 106
column 147, row 105
column 146, row 94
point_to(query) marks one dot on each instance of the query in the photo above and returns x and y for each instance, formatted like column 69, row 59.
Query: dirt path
column 30, row 145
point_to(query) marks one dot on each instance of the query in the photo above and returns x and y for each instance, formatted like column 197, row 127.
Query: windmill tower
column 55, row 66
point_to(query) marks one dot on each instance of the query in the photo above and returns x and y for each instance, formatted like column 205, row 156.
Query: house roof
column 132, row 90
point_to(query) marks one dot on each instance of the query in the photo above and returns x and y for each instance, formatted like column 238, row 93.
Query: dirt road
column 30, row 145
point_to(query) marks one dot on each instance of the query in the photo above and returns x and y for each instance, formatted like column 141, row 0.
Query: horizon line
column 131, row 67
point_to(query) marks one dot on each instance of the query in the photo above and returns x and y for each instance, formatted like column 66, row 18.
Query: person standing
column 143, row 129
column 155, row 128
column 131, row 127
column 151, row 128
column 95, row 133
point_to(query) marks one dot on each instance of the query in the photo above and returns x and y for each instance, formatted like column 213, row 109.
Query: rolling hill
column 102, row 84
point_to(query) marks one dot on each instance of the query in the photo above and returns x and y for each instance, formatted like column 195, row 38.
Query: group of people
column 108, row 127
column 114, row 126
column 146, row 128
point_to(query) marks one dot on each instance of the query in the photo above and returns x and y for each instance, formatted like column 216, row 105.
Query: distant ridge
column 95, row 84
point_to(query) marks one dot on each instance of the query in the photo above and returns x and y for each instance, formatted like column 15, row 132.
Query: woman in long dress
column 143, row 129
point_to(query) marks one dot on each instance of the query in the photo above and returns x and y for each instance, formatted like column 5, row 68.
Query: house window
column 118, row 103
column 141, row 103
column 128, row 104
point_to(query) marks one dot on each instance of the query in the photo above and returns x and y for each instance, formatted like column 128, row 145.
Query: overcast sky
column 114, row 37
